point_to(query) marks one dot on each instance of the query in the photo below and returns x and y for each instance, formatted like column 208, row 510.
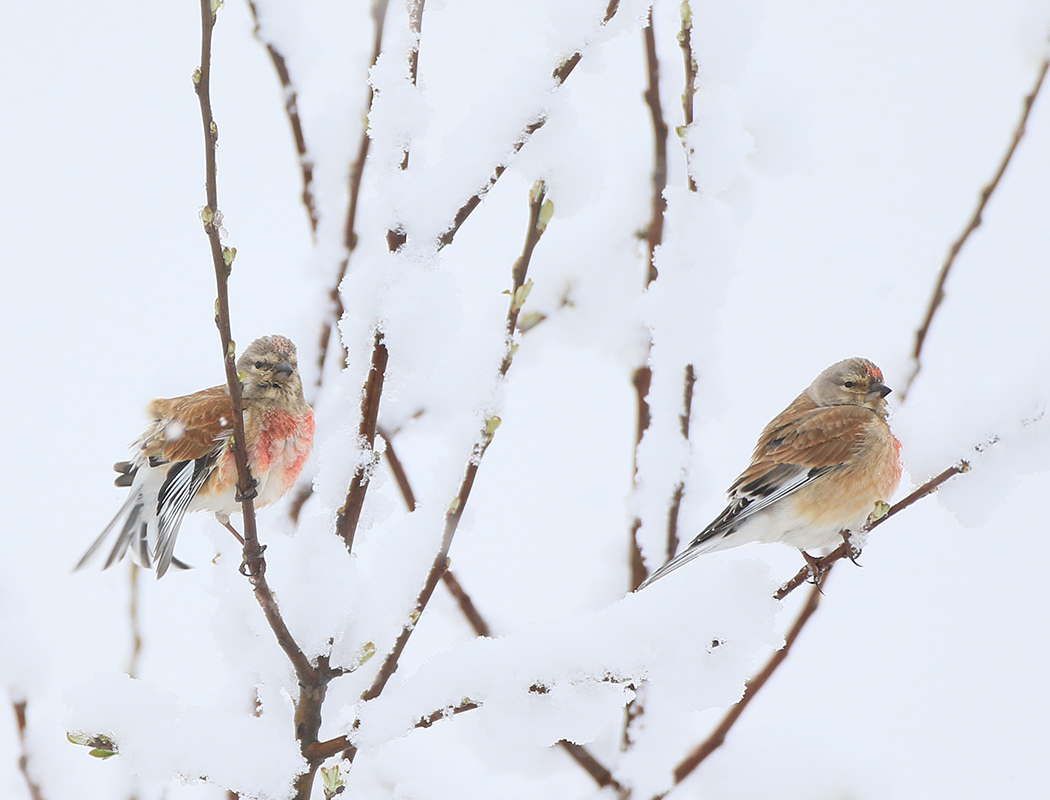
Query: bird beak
column 878, row 389
column 284, row 368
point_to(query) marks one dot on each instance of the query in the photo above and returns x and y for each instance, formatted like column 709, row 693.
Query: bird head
column 852, row 382
column 268, row 370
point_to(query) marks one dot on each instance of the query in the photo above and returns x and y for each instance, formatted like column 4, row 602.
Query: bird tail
column 137, row 528
column 698, row 547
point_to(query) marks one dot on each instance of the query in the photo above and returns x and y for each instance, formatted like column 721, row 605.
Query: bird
column 184, row 460
column 817, row 470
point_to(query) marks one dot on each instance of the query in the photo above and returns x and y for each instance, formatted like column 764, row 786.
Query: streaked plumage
column 818, row 469
column 183, row 461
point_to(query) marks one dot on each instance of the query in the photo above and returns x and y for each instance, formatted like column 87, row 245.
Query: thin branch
column 655, row 234
column 819, row 569
column 415, row 25
column 689, row 382
column 537, row 206
column 253, row 551
column 822, row 565
column 751, row 688
column 601, row 775
column 466, row 604
column 398, row 469
column 291, row 109
column 641, row 379
column 357, row 169
column 975, row 221
column 349, row 515
column 133, row 621
column 580, row 754
column 313, row 681
column 454, row 514
column 685, row 39
column 35, row 792
column 560, row 75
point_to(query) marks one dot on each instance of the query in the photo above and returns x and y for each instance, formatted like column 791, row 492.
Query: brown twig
column 580, row 754
column 641, row 379
column 537, row 217
column 357, row 170
column 398, row 469
column 291, row 109
column 35, row 792
column 643, row 375
column 313, row 681
column 133, row 621
column 684, row 418
column 537, row 202
column 415, row 25
column 822, row 565
column 751, row 688
column 350, row 514
column 655, row 234
column 466, row 604
column 685, row 39
column 559, row 75
column 819, row 569
column 975, row 221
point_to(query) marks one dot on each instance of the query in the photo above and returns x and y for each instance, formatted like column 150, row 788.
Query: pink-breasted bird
column 183, row 462
column 818, row 469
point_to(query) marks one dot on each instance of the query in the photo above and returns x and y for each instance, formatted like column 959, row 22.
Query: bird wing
column 794, row 450
column 801, row 444
column 188, row 435
column 187, row 428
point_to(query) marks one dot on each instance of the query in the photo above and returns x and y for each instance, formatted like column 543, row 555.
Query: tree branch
column 349, row 515
column 820, row 569
column 751, row 688
column 975, row 221
column 35, row 792
column 313, row 681
column 685, row 39
column 580, row 754
column 822, row 565
column 679, row 489
column 560, row 75
column 291, row 109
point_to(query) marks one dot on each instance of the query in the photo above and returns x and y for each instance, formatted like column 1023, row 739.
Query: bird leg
column 251, row 494
column 236, row 535
column 816, row 568
column 852, row 551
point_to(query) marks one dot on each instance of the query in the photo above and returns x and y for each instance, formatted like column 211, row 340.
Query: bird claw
column 251, row 494
column 852, row 551
column 245, row 568
column 816, row 569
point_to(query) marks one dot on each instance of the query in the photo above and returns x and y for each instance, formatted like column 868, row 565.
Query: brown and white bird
column 818, row 469
column 184, row 462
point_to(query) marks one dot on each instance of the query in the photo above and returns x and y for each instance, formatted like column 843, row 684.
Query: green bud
column 228, row 254
column 367, row 651
column 546, row 212
column 521, row 294
column 492, row 425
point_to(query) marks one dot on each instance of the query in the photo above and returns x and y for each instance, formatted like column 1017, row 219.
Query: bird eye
column 258, row 365
column 848, row 384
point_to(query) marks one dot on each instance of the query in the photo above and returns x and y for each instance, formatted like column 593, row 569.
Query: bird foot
column 816, row 568
column 852, row 551
column 245, row 568
column 251, row 494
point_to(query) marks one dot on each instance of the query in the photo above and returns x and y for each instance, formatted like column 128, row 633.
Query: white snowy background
column 839, row 149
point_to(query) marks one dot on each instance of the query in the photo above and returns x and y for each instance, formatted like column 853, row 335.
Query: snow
column 839, row 150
